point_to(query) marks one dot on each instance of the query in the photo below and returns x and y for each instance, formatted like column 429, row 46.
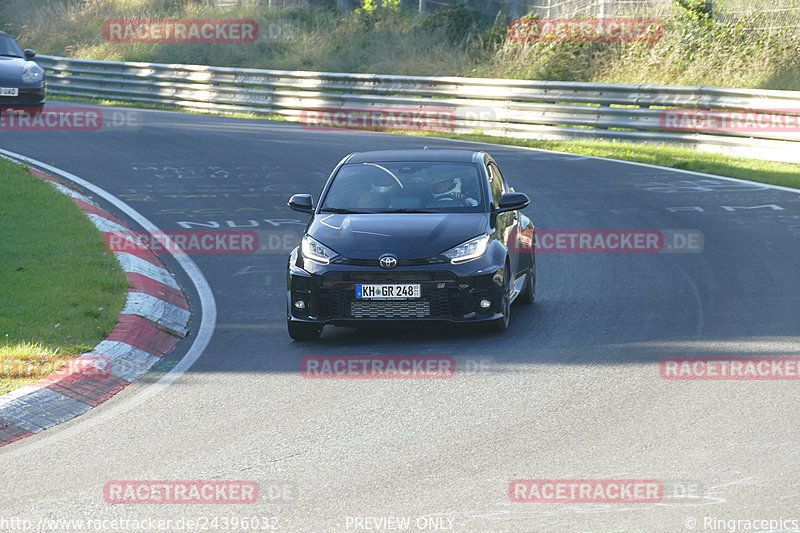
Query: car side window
column 496, row 182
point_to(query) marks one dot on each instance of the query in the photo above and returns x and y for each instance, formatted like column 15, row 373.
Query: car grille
column 27, row 96
column 389, row 310
column 337, row 299
column 400, row 262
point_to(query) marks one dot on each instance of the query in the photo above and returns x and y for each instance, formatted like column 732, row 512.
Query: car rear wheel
column 499, row 325
column 301, row 331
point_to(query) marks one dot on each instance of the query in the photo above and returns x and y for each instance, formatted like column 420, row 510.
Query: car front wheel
column 499, row 325
column 528, row 293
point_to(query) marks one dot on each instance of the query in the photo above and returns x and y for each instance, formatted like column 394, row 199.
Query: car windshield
column 9, row 47
column 404, row 187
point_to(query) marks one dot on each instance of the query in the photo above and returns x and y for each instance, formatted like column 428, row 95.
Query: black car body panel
column 13, row 64
column 321, row 292
column 418, row 236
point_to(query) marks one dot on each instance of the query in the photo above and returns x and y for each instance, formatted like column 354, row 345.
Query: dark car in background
column 411, row 235
column 22, row 82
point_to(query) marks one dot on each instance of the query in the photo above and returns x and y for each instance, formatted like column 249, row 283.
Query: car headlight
column 472, row 249
column 314, row 250
column 32, row 73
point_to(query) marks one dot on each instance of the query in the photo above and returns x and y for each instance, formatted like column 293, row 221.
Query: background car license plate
column 9, row 91
column 395, row 291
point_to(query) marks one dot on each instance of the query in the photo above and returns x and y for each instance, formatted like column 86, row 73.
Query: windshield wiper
column 9, row 55
column 341, row 210
column 404, row 210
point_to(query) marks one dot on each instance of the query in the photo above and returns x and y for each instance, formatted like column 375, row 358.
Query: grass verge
column 60, row 291
column 772, row 172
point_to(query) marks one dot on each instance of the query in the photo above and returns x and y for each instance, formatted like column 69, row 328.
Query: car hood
column 11, row 71
column 407, row 235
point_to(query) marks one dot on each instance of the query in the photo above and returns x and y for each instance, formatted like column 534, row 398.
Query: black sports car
column 22, row 82
column 411, row 235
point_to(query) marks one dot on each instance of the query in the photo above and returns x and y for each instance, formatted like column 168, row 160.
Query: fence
column 514, row 108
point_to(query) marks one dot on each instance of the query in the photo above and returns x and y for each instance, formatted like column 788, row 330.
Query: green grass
column 467, row 39
column 60, row 291
column 292, row 39
column 165, row 107
column 23, row 363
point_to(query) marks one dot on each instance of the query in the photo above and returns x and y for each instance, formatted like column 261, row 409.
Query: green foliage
column 698, row 47
column 372, row 5
column 459, row 21
column 697, row 10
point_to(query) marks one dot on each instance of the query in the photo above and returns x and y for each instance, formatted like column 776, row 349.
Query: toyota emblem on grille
column 387, row 261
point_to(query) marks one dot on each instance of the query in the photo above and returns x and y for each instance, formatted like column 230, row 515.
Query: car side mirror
column 302, row 202
column 29, row 54
column 511, row 201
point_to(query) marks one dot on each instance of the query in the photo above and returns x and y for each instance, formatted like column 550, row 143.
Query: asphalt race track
column 571, row 391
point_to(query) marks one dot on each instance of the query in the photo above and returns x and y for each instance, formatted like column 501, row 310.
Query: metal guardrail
column 514, row 108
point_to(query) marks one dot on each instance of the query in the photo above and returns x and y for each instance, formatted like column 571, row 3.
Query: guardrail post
column 602, row 108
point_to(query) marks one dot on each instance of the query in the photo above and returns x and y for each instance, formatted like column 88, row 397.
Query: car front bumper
column 449, row 293
column 28, row 97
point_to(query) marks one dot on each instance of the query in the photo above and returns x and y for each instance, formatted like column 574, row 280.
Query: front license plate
column 395, row 291
column 9, row 91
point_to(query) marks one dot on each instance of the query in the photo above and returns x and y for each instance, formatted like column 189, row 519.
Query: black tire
column 500, row 325
column 528, row 294
column 301, row 331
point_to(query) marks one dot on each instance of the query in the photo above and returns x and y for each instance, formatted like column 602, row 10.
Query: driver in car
column 381, row 189
column 448, row 190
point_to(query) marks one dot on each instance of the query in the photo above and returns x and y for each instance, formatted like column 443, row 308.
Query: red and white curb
column 154, row 319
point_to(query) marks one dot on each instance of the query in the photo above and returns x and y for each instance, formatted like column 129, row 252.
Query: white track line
column 202, row 334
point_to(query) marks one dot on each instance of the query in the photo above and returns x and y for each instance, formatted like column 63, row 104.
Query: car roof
column 445, row 156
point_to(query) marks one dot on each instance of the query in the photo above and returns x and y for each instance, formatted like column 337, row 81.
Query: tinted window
column 429, row 186
column 9, row 47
